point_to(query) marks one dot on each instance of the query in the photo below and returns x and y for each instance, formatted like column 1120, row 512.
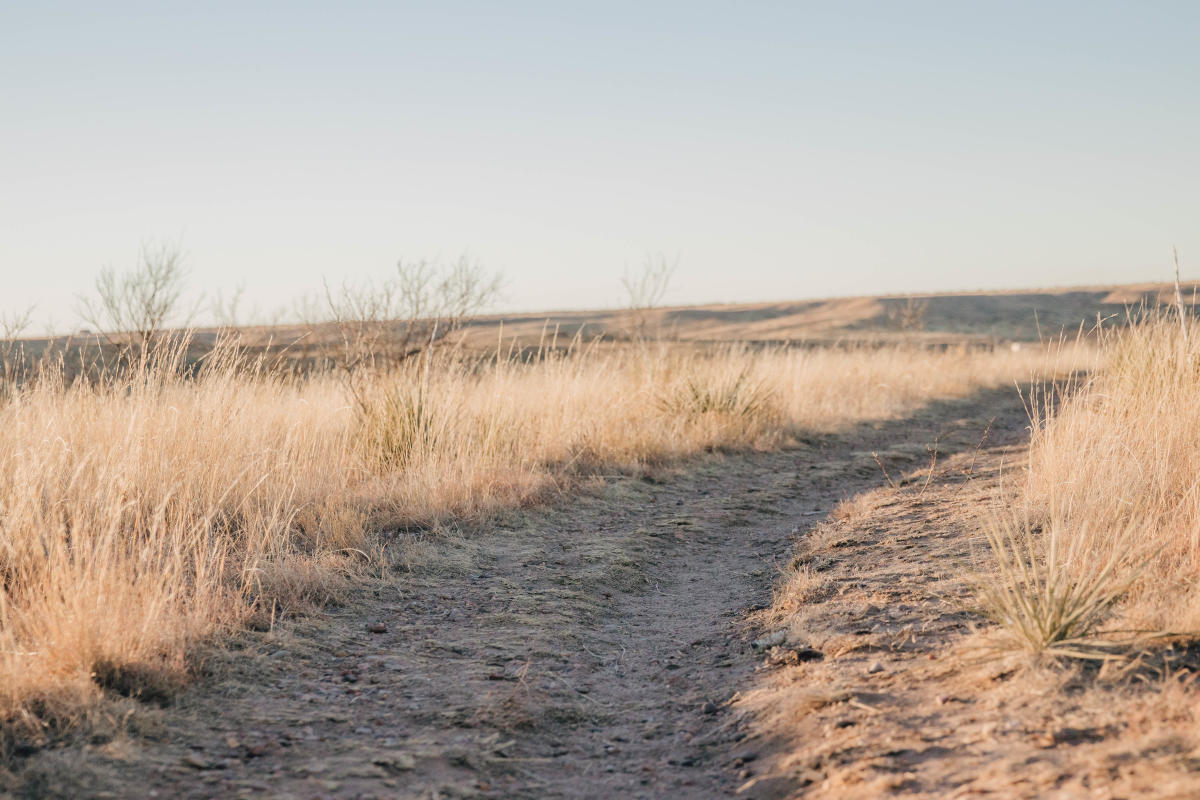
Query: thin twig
column 932, row 467
column 882, row 467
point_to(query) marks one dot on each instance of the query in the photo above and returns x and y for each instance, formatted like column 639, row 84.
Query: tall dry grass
column 142, row 517
column 1114, row 475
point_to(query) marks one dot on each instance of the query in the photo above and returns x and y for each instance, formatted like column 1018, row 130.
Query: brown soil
column 625, row 645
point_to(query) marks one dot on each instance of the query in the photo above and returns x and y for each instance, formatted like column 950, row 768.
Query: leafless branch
column 227, row 311
column 382, row 324
column 646, row 288
column 133, row 308
column 12, row 354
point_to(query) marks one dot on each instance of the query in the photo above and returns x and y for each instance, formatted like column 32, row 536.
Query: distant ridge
column 938, row 318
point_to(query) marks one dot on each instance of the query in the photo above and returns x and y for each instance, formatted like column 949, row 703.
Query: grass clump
column 739, row 396
column 1050, row 593
column 397, row 424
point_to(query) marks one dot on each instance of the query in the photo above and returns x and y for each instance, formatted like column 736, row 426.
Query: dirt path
column 586, row 650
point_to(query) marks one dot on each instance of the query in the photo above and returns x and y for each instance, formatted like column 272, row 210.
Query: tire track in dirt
column 589, row 649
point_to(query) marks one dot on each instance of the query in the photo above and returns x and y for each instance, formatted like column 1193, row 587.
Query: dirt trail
column 585, row 650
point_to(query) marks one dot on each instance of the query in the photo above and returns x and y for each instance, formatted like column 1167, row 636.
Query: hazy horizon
column 783, row 151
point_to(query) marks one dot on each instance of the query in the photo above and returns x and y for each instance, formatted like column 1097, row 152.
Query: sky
column 778, row 150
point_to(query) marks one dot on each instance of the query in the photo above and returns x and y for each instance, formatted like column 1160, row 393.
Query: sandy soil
column 628, row 644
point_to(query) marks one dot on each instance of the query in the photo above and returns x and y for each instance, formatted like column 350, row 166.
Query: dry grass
column 1113, row 489
column 142, row 517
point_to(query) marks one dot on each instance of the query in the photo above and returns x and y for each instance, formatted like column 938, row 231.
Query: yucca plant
column 1051, row 600
column 739, row 397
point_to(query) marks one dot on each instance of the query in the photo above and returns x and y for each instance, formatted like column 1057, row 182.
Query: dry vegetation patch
column 1116, row 472
column 142, row 515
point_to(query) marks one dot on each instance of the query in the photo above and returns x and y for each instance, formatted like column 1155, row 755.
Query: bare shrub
column 13, row 364
column 908, row 316
column 381, row 325
column 645, row 290
column 227, row 311
column 131, row 310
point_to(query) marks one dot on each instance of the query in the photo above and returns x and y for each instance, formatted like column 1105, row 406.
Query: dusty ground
column 625, row 644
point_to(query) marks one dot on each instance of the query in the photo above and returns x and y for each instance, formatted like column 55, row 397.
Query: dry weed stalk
column 1179, row 311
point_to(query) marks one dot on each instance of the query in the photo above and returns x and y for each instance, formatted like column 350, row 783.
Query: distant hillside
column 935, row 319
column 975, row 316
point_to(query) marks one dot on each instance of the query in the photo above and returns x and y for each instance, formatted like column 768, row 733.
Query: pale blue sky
column 782, row 150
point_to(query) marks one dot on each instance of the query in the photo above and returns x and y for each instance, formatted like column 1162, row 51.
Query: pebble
column 377, row 626
column 770, row 640
column 399, row 761
column 875, row 668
